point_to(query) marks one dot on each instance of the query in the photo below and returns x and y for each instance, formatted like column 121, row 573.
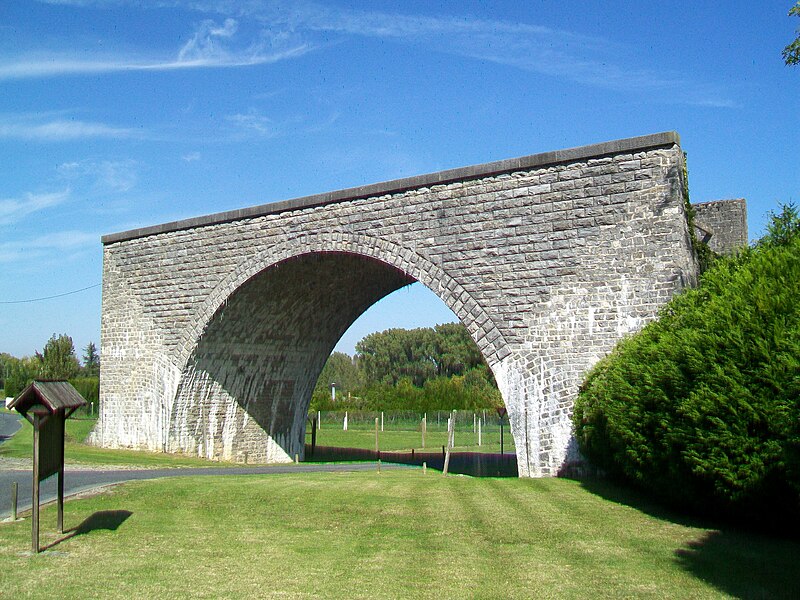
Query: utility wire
column 50, row 297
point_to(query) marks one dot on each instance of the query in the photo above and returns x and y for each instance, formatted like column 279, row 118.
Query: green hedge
column 702, row 407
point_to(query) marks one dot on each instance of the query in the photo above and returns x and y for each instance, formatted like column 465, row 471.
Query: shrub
column 702, row 406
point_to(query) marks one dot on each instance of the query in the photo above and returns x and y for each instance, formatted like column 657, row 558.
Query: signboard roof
column 53, row 395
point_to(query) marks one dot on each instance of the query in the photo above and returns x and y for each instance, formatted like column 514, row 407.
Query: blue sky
column 115, row 116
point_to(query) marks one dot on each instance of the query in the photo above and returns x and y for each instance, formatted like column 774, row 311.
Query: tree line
column 57, row 360
column 424, row 369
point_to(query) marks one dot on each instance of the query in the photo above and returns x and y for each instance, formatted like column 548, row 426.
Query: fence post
column 14, row 494
column 319, row 420
column 450, row 425
column 474, row 422
column 344, row 426
column 377, row 447
column 479, row 432
column 424, row 428
column 381, row 420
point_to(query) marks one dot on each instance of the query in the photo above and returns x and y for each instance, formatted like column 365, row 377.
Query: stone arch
column 480, row 325
column 246, row 380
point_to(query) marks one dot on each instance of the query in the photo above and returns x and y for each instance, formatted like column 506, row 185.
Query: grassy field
column 406, row 440
column 399, row 534
column 75, row 451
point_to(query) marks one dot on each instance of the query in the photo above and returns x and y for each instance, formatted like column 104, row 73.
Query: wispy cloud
column 191, row 157
column 211, row 45
column 558, row 53
column 13, row 210
column 567, row 55
column 290, row 29
column 29, row 249
column 106, row 176
column 253, row 123
column 35, row 128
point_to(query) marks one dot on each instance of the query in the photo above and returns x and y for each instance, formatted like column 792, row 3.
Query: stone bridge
column 215, row 329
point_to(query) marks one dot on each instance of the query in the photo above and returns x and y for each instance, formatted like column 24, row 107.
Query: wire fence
column 406, row 420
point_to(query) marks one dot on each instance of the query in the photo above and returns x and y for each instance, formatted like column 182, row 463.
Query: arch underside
column 245, row 390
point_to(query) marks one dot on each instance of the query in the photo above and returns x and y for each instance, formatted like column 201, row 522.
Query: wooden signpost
column 46, row 405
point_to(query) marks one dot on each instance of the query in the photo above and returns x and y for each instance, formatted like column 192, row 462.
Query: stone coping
column 533, row 161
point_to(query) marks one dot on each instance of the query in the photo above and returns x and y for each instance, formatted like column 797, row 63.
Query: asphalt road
column 9, row 425
column 76, row 481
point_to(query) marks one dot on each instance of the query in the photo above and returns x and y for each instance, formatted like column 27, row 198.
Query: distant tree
column 5, row 362
column 791, row 54
column 91, row 361
column 18, row 373
column 456, row 351
column 58, row 360
column 782, row 227
column 341, row 370
column 394, row 354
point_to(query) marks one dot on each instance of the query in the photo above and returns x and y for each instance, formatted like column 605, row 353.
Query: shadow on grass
column 110, row 520
column 743, row 564
column 738, row 562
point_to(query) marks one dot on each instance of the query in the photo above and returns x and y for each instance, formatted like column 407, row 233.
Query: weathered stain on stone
column 215, row 329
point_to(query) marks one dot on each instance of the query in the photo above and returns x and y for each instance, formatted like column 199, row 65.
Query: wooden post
column 319, row 419
column 381, row 420
column 424, row 467
column 14, row 495
column 377, row 447
column 424, row 428
column 474, row 422
column 60, row 519
column 449, row 445
column 62, row 426
column 479, row 432
column 345, row 421
column 35, row 495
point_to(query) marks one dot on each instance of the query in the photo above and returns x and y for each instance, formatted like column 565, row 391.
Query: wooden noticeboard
column 51, row 447
column 47, row 405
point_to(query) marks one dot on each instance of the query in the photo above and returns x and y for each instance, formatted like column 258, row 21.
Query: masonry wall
column 725, row 222
column 215, row 329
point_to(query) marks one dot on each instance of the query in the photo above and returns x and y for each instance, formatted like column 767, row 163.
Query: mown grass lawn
column 395, row 535
column 20, row 445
